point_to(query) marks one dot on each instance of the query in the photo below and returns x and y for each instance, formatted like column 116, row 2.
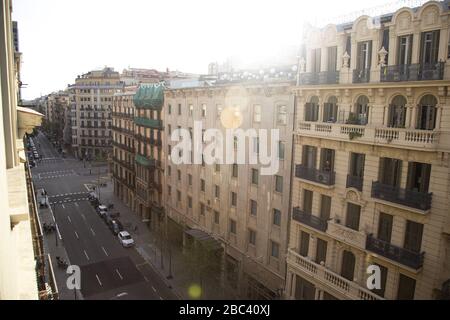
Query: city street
column 108, row 270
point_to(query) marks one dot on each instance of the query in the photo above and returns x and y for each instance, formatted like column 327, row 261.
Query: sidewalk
column 148, row 245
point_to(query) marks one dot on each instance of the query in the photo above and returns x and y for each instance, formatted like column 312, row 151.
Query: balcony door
column 404, row 50
column 418, row 177
column 364, row 55
column 325, row 207
column 332, row 59
column 413, row 236
column 397, row 112
column 362, row 110
column 429, row 48
column 327, row 160
column 321, row 251
column 427, row 113
column 315, row 60
column 307, row 202
column 309, row 157
column 304, row 244
column 312, row 109
column 390, row 172
column 385, row 223
column 357, row 161
column 348, row 265
column 330, row 110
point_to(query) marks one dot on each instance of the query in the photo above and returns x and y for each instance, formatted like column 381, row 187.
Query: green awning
column 149, row 97
column 149, row 123
column 144, row 161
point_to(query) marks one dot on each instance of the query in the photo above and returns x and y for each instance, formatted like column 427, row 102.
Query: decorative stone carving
column 382, row 54
column 345, row 60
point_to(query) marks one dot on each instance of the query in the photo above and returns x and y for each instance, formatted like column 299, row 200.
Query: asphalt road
column 108, row 271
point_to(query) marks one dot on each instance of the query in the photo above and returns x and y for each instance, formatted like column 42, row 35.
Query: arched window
column 397, row 112
column 361, row 114
column 312, row 109
column 330, row 110
column 426, row 119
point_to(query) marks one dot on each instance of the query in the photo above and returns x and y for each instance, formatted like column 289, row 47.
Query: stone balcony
column 346, row 235
column 394, row 137
column 337, row 284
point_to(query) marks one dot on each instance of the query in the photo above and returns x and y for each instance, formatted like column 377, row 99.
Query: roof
column 149, row 97
column 204, row 239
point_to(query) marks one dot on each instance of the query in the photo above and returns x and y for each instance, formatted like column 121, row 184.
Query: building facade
column 91, row 99
column 20, row 245
column 371, row 182
column 233, row 204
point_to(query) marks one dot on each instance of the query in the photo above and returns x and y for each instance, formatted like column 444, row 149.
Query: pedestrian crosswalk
column 69, row 194
column 68, row 197
column 55, row 174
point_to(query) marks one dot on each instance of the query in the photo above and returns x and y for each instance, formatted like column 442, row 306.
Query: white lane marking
column 76, row 235
column 76, row 204
column 120, row 276
column 83, row 216
column 68, row 218
column 57, row 230
column 106, row 253
column 153, row 288
column 145, row 278
column 92, row 231
column 160, row 298
column 99, row 282
column 85, row 253
column 63, row 206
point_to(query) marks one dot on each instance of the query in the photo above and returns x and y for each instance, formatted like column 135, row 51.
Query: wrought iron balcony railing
column 310, row 220
column 401, row 255
column 409, row 198
column 315, row 175
column 413, row 72
column 355, row 182
column 361, row 75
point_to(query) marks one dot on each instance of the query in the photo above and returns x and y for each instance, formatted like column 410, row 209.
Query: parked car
column 116, row 226
column 102, row 210
column 108, row 217
column 125, row 239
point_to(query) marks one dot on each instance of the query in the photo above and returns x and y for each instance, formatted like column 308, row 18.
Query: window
column 325, row 207
column 364, row 55
column 233, row 199
column 189, row 202
column 418, row 177
column 169, row 190
column 281, row 115
column 304, row 244
column 169, row 129
column 276, row 217
column 357, row 161
column 312, row 109
column 179, row 109
column 315, row 60
column 390, row 172
column 256, row 145
column 202, row 185
column 327, row 160
column 217, row 167
column 169, row 108
column 255, row 176
column 253, row 207
column 252, row 237
column 353, row 214
column 427, row 113
column 332, row 59
column 256, row 113
column 321, row 251
column 309, row 154
column 234, row 171
column 385, row 222
column 404, row 50
column 169, row 170
column 348, row 265
column 330, row 110
column 203, row 110
column 406, row 288
column 429, row 47
column 217, row 191
column 307, row 201
column 275, row 249
column 178, row 195
column 278, row 183
column 202, row 209
column 190, row 179
column 216, row 217
column 219, row 110
column 179, row 175
column 281, row 150
column 397, row 112
column 232, row 226
column 191, row 110
column 413, row 236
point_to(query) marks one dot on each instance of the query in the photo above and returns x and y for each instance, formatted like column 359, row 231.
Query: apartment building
column 371, row 155
column 124, row 150
column 57, row 109
column 232, row 207
column 20, row 244
column 91, row 100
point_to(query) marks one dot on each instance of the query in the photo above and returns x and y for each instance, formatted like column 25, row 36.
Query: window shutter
column 435, row 47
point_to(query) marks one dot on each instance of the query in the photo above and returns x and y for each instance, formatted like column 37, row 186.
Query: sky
column 61, row 39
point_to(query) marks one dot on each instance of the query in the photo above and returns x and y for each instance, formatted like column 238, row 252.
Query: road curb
column 147, row 258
